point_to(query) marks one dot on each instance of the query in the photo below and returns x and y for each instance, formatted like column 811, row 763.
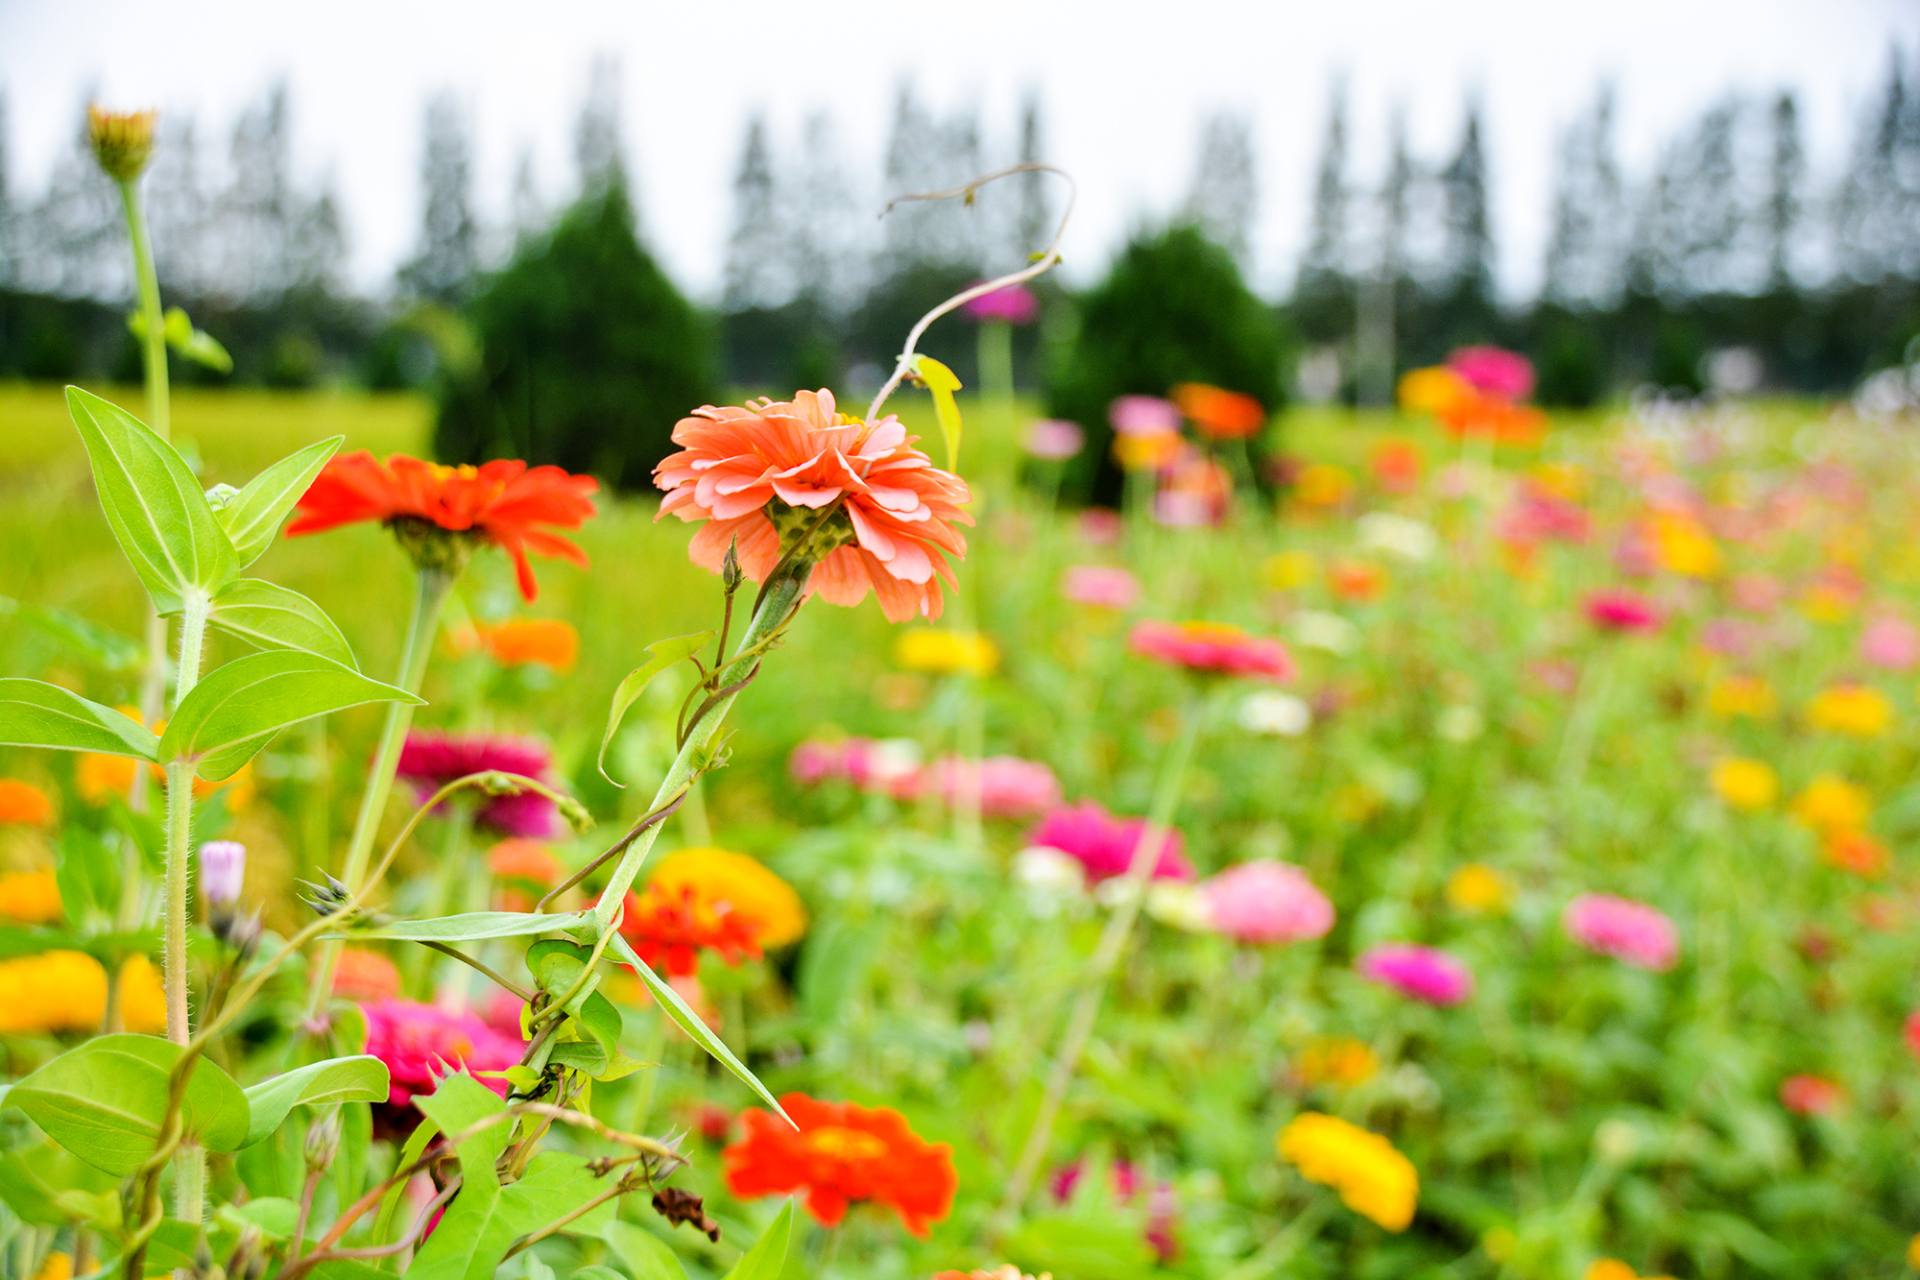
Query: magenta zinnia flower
column 1014, row 304
column 420, row 1043
column 1629, row 931
column 1420, row 973
column 1267, row 902
column 1494, row 371
column 1212, row 648
column 430, row 760
column 1619, row 609
column 1104, row 845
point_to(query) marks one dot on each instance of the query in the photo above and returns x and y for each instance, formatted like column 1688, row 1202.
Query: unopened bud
column 122, row 141
column 575, row 814
column 730, row 575
column 223, row 869
column 323, row 1141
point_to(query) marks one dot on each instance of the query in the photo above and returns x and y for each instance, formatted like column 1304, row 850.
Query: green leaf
column 232, row 713
column 647, row 1256
column 768, row 1257
column 361, row 1079
column 104, row 1101
column 269, row 616
column 661, row 654
column 34, row 713
column 595, row 1272
column 475, row 925
column 834, row 966
column 941, row 383
column 157, row 510
column 88, row 873
column 78, row 636
column 416, row 1145
column 275, row 1216
column 44, row 1185
column 689, row 1022
column 254, row 516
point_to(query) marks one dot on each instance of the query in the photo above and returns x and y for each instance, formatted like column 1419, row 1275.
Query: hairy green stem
column 778, row 599
column 1106, row 958
column 190, row 1168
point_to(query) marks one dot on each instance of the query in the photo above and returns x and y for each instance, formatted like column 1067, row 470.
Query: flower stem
column 1106, row 958
column 190, row 1166
column 778, row 599
column 430, row 595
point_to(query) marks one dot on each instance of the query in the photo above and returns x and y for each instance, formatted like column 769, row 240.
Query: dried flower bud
column 678, row 1206
column 122, row 141
column 223, row 869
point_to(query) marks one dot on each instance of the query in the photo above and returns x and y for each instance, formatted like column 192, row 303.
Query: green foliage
column 34, row 713
column 275, row 617
column 252, row 517
column 661, row 654
column 324, row 1083
column 768, row 1257
column 588, row 354
column 1173, row 309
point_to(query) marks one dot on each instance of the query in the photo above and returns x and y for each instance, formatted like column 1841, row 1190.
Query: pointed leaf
column 254, row 516
column 474, row 925
column 232, row 713
column 358, row 1079
column 768, row 1257
column 690, row 1022
column 647, row 1256
column 941, row 383
column 270, row 616
column 34, row 713
column 661, row 654
column 153, row 503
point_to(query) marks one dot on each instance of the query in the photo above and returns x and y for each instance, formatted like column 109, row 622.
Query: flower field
column 1518, row 818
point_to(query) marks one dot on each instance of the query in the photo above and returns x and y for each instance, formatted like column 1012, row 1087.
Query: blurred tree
column 1389, row 288
column 1034, row 216
column 256, row 209
column 1586, row 248
column 755, row 273
column 1786, row 171
column 10, row 228
column 1225, row 193
column 74, row 243
column 1464, row 279
column 1173, row 308
column 180, row 212
column 599, row 151
column 1323, row 292
column 446, row 255
column 587, row 353
column 527, row 211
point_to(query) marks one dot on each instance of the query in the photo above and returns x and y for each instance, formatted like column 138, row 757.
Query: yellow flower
column 52, row 991
column 24, row 804
column 1146, row 451
column 1684, row 547
column 1825, row 602
column 58, row 1266
column 1857, row 710
column 1432, row 390
column 143, row 998
column 1741, row 697
column 1321, row 484
column 1498, row 1243
column 100, row 779
column 1745, row 784
column 30, row 897
column 1373, row 1179
column 1609, row 1269
column 1286, row 570
column 946, row 652
column 740, row 880
column 1830, row 803
column 1913, row 1252
column 122, row 141
column 1564, row 480
column 1479, row 889
column 1340, row 1060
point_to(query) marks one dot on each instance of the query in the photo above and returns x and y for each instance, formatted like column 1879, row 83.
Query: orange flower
column 24, row 803
column 1499, row 420
column 29, row 897
column 100, row 778
column 1219, row 414
column 519, row 858
column 842, row 1154
column 670, row 925
column 365, row 976
column 1855, row 851
column 738, row 883
column 1396, row 465
column 1357, row 581
column 857, row 498
column 503, row 502
column 521, row 642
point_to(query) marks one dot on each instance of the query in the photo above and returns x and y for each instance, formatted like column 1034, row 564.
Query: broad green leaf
column 78, row 636
column 661, row 654
column 690, row 1022
column 104, row 1101
column 475, row 925
column 253, row 518
column 647, row 1256
column 768, row 1257
column 941, row 383
column 361, row 1079
column 232, row 713
column 43, row 1184
column 834, row 966
column 34, row 713
column 416, row 1145
column 269, row 616
column 274, row 1216
column 88, row 872
column 155, row 506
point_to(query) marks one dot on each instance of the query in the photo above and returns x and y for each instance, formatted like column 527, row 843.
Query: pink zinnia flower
column 1101, row 586
column 430, row 760
column 1420, row 973
column 872, row 765
column 1493, row 371
column 1100, row 526
column 1143, row 416
column 420, row 1043
column 1212, row 648
column 1891, row 644
column 1008, row 787
column 1015, row 304
column 1055, row 439
column 1163, row 1209
column 1810, row 1095
column 1104, row 845
column 1619, row 609
column 1539, row 516
column 1757, row 593
column 1913, row 1032
column 742, row 468
column 1267, row 902
column 1629, row 931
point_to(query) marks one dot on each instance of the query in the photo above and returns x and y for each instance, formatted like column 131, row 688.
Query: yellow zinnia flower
column 1683, row 546
column 1745, row 784
column 1373, row 1179
column 1321, row 484
column 1741, row 697
column 1830, row 803
column 52, row 991
column 1432, row 390
column 743, row 883
column 1479, row 889
column 1857, row 710
column 58, row 1266
column 1286, row 570
column 1340, row 1060
column 946, row 652
column 30, row 897
column 143, row 998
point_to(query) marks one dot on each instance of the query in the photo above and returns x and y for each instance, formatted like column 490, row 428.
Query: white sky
column 1125, row 85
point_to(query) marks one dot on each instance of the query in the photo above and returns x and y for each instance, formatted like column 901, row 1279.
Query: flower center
column 841, row 1143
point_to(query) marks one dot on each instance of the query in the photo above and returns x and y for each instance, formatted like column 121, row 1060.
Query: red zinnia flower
column 1219, row 414
column 1212, row 648
column 670, row 926
column 503, row 502
column 842, row 1154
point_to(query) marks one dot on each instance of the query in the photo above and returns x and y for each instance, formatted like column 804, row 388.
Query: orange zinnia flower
column 842, row 1154
column 1219, row 414
column 24, row 803
column 521, row 642
column 504, row 502
column 857, row 498
column 670, row 925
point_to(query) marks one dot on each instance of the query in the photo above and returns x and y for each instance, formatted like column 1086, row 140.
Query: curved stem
column 1106, row 958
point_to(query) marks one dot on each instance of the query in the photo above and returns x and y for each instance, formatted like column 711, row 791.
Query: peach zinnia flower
column 1212, row 648
column 521, row 642
column 504, row 502
column 870, row 507
column 841, row 1154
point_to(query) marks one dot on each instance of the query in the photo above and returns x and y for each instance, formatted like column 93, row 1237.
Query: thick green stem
column 190, row 1166
column 430, row 594
column 777, row 602
column 1106, row 958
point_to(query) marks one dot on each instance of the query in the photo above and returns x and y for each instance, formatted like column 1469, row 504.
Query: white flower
column 894, row 759
column 1179, row 905
column 1328, row 632
column 1048, row 872
column 1398, row 535
column 1274, row 712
